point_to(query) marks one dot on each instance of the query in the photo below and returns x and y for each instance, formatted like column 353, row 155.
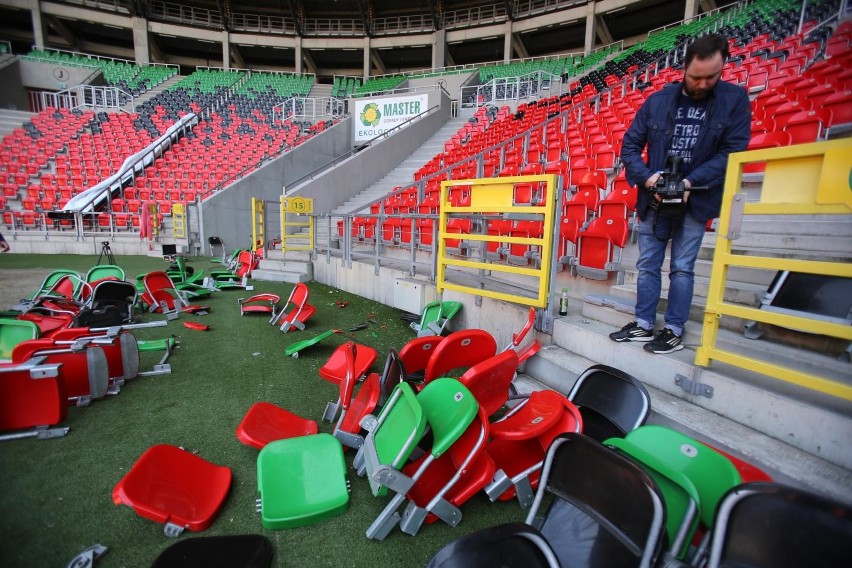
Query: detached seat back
column 436, row 316
column 519, row 443
column 13, row 332
column 765, row 524
column 102, row 271
column 32, row 396
column 265, row 422
column 461, row 349
column 446, row 407
column 84, row 367
column 611, row 402
column 50, row 280
column 160, row 291
column 297, row 311
column 120, row 348
column 604, row 511
column 175, row 487
column 679, row 493
column 259, row 304
column 301, row 481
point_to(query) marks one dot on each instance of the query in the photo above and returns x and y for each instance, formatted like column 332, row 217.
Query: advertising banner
column 377, row 116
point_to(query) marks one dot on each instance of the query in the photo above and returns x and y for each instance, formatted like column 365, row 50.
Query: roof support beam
column 603, row 30
column 63, row 30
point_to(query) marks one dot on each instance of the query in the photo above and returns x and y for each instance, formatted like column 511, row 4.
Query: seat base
column 316, row 487
column 173, row 486
column 264, row 422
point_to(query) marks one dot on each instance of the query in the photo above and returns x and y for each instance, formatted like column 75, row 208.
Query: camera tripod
column 106, row 251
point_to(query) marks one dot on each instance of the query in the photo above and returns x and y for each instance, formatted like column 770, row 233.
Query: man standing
column 698, row 123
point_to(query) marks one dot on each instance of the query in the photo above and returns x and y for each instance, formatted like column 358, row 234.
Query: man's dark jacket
column 727, row 129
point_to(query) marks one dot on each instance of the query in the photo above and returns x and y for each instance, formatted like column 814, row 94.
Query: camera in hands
column 670, row 210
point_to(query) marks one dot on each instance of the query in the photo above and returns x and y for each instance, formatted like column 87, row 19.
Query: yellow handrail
column 805, row 179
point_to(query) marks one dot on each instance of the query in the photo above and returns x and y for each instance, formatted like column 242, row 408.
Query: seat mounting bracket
column 693, row 386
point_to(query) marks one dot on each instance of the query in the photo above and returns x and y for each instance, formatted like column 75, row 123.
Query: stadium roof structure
column 400, row 31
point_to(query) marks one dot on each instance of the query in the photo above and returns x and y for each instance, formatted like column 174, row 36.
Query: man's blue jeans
column 686, row 241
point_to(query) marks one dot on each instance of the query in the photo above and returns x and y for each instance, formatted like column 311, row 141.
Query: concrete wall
column 13, row 95
column 51, row 77
column 227, row 214
column 452, row 83
column 501, row 319
column 349, row 178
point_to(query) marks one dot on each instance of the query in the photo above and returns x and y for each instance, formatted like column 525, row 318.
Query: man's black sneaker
column 664, row 342
column 632, row 332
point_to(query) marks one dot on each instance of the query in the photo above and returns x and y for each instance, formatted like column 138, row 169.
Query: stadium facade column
column 366, row 57
column 38, row 26
column 299, row 62
column 507, row 42
column 226, row 49
column 591, row 23
column 690, row 10
column 141, row 47
column 439, row 49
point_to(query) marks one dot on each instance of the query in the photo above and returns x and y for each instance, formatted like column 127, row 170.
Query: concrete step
column 618, row 312
column 556, row 368
column 296, row 266
column 12, row 119
column 813, row 424
column 157, row 89
column 736, row 292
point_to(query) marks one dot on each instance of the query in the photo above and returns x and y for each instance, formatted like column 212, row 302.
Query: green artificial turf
column 57, row 494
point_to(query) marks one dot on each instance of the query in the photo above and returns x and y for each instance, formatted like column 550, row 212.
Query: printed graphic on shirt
column 689, row 120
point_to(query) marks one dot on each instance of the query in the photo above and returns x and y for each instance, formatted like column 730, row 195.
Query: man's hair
column 706, row 47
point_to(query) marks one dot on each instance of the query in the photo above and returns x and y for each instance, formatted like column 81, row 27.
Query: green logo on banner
column 370, row 116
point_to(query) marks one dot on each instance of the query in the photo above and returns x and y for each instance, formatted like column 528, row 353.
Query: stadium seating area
column 805, row 72
column 800, row 84
column 126, row 75
column 430, row 442
column 60, row 153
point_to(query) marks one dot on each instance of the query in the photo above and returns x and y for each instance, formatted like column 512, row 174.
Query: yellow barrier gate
column 300, row 207
column 258, row 224
column 494, row 198
column 806, row 179
column 179, row 220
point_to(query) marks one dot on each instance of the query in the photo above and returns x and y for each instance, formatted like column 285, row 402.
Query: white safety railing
column 84, row 97
column 308, row 108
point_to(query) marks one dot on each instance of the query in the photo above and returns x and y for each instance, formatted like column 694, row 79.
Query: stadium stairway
column 12, row 119
column 150, row 94
column 403, row 174
column 797, row 435
column 296, row 266
column 319, row 90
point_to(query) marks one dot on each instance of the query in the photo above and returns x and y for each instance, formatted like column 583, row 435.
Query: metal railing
column 333, row 27
column 346, row 155
column 477, row 16
column 117, row 6
column 81, row 55
column 525, row 87
column 181, row 14
column 308, row 108
column 84, row 97
column 393, row 25
column 803, row 179
column 261, row 23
